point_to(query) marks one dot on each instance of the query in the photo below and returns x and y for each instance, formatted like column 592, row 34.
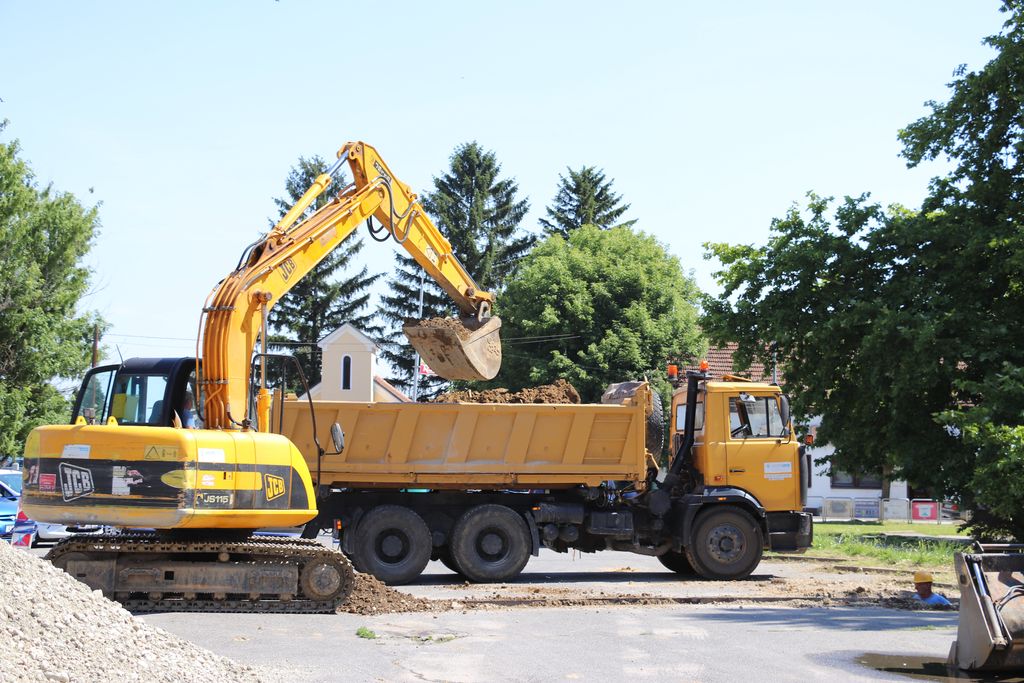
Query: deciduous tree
column 46, row 234
column 903, row 328
column 602, row 306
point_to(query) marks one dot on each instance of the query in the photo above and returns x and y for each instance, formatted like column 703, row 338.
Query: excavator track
column 147, row 572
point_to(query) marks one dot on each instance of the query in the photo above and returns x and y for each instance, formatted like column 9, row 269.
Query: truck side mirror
column 338, row 437
column 784, row 413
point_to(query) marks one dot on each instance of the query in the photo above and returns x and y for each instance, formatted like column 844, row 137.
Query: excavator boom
column 236, row 311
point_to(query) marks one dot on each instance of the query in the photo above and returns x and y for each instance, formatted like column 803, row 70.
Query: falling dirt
column 559, row 392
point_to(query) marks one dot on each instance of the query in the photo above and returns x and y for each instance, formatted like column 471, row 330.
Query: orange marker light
column 703, row 366
column 673, row 371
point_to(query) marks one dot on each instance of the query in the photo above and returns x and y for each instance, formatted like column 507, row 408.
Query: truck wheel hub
column 491, row 545
column 725, row 543
column 392, row 547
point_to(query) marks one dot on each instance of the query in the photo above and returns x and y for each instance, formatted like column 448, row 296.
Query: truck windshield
column 756, row 417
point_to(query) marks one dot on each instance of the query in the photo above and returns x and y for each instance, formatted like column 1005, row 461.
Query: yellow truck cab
column 744, row 452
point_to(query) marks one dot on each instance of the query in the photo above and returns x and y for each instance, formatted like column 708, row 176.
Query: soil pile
column 371, row 596
column 559, row 392
column 53, row 628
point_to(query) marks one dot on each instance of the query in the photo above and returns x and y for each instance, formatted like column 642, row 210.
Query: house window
column 346, row 373
column 845, row 480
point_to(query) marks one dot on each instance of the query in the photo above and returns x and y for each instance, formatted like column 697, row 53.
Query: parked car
column 9, row 508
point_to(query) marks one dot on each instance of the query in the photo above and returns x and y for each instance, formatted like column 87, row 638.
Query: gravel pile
column 53, row 628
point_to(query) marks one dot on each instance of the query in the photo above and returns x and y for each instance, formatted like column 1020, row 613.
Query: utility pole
column 416, row 357
column 95, row 345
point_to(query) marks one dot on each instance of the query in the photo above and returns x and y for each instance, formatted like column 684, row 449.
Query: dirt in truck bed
column 559, row 392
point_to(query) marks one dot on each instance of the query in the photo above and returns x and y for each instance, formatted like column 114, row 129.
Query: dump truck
column 482, row 487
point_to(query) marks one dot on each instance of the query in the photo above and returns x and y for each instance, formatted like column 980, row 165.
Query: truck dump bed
column 472, row 445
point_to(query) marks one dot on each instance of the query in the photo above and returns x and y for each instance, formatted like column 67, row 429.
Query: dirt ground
column 559, row 392
column 795, row 582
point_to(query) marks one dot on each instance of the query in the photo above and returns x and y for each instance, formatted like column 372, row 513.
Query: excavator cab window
column 91, row 402
column 138, row 399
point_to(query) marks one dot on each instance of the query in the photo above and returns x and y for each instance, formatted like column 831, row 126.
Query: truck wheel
column 392, row 543
column 655, row 437
column 726, row 544
column 677, row 562
column 490, row 543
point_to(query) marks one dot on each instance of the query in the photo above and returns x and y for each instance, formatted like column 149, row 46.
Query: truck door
column 759, row 454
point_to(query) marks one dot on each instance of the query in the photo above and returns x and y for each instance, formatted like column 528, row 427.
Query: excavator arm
column 235, row 312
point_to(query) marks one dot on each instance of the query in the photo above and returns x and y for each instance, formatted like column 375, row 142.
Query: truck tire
column 677, row 562
column 655, row 438
column 726, row 544
column 490, row 543
column 392, row 543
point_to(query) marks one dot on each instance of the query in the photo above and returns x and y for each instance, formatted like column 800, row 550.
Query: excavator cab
column 140, row 391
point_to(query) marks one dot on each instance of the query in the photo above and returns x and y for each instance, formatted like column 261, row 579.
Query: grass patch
column 364, row 632
column 826, row 528
column 855, row 546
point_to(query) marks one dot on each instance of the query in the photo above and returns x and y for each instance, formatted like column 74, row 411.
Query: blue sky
column 184, row 118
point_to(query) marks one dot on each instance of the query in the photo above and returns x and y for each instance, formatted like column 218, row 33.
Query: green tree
column 602, row 306
column 585, row 197
column 903, row 328
column 837, row 294
column 480, row 214
column 45, row 234
column 335, row 292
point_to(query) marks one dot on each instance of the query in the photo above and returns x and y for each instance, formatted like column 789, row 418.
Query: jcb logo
column 273, row 486
column 76, row 482
column 287, row 268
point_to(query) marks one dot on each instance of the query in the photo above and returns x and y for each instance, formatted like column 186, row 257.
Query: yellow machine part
column 165, row 478
column 990, row 632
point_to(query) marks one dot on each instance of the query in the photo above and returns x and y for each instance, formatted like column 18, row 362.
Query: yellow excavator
column 181, row 447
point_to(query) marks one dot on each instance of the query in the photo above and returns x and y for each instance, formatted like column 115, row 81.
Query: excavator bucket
column 462, row 348
column 990, row 635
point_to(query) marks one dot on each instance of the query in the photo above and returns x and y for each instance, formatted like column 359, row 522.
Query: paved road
column 667, row 643
column 680, row 643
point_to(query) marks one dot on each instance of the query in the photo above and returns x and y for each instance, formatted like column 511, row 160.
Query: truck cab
column 744, row 451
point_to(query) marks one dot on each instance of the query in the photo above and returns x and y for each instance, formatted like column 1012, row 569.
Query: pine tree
column 480, row 215
column 333, row 293
column 584, row 198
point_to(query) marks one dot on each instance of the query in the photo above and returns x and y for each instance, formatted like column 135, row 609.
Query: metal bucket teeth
column 458, row 349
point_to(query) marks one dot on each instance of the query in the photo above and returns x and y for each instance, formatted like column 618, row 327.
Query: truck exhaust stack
column 462, row 348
